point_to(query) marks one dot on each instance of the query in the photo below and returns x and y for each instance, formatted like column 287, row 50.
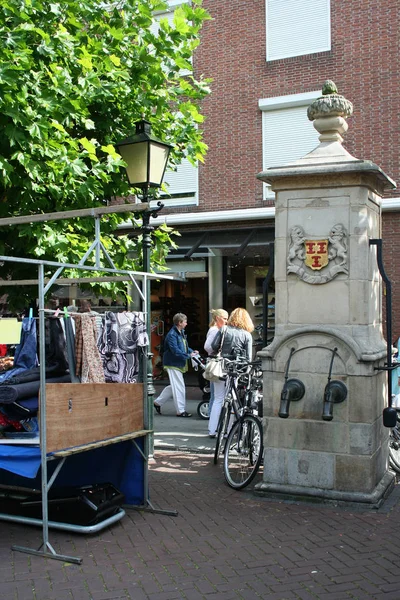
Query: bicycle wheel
column 222, row 427
column 202, row 409
column 394, row 449
column 243, row 452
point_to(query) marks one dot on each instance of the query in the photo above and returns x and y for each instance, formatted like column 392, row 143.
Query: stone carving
column 338, row 247
column 330, row 104
column 329, row 113
column 319, row 260
column 296, row 246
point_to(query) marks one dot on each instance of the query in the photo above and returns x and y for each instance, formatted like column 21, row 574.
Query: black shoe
column 158, row 408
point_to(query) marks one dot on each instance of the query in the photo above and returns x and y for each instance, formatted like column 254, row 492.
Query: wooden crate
column 82, row 413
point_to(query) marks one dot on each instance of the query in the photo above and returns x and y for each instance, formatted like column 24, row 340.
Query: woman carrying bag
column 219, row 317
column 231, row 341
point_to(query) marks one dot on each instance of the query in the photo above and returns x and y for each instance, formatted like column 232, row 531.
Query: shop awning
column 230, row 242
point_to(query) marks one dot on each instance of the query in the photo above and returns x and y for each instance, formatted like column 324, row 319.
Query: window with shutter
column 297, row 27
column 287, row 134
column 169, row 15
column 182, row 185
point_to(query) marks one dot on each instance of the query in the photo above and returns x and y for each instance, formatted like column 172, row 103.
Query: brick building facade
column 360, row 41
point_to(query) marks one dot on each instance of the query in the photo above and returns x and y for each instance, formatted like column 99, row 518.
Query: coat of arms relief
column 318, row 260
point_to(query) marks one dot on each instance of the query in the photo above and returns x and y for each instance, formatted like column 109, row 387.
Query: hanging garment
column 70, row 347
column 121, row 337
column 26, row 351
column 78, row 346
column 55, row 347
column 88, row 360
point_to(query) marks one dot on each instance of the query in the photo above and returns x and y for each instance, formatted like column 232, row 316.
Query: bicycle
column 244, row 447
column 233, row 400
column 394, row 446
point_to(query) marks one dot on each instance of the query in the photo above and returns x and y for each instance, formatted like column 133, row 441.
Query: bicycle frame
column 238, row 399
column 243, row 452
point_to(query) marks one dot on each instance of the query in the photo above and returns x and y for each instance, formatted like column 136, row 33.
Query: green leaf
column 74, row 78
column 115, row 60
column 111, row 151
column 58, row 126
column 89, row 146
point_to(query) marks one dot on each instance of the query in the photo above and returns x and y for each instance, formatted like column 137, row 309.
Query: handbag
column 214, row 370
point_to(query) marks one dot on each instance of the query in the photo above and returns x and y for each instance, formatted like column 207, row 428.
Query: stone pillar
column 215, row 276
column 328, row 316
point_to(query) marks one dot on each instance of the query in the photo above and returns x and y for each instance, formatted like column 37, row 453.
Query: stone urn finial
column 329, row 113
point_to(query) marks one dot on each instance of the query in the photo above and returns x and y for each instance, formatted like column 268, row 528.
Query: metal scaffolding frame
column 46, row 549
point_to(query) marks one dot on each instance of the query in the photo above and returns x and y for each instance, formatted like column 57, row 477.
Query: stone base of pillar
column 372, row 500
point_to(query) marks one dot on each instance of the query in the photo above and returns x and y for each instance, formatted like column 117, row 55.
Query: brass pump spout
column 335, row 392
column 292, row 391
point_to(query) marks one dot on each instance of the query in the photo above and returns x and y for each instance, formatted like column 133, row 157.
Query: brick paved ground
column 223, row 545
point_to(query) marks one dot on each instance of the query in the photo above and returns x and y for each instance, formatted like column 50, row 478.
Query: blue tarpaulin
column 24, row 461
column 120, row 464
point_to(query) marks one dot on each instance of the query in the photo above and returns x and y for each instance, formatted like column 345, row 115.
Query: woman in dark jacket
column 236, row 341
column 175, row 357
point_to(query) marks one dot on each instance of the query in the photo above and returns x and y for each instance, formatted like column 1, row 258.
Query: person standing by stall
column 237, row 342
column 175, row 357
column 219, row 317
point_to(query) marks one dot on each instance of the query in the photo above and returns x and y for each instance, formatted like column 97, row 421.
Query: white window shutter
column 169, row 15
column 182, row 185
column 297, row 27
column 287, row 136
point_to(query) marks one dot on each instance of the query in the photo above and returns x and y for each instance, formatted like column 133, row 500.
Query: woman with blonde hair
column 237, row 342
column 219, row 317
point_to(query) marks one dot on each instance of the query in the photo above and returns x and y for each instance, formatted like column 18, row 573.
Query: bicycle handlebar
column 240, row 367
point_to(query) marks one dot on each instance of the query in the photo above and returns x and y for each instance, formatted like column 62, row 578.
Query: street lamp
column 146, row 157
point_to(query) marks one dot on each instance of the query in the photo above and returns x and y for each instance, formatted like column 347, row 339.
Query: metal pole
column 149, row 390
column 148, row 376
column 265, row 288
column 42, row 399
column 388, row 283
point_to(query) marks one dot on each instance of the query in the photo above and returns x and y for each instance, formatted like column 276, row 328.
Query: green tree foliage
column 75, row 75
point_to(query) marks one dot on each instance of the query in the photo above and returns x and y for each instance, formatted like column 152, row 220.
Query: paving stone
column 224, row 545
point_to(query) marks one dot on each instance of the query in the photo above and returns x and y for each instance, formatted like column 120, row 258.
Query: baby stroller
column 199, row 364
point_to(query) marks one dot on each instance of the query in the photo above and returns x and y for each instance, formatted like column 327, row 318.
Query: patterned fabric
column 121, row 336
column 5, row 423
column 78, row 346
column 91, row 366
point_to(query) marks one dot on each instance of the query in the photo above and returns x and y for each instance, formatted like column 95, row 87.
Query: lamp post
column 146, row 158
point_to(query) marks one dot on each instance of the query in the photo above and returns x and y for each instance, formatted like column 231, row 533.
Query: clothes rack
column 134, row 437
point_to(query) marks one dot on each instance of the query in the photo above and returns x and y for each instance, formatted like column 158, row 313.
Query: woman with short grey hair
column 175, row 359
